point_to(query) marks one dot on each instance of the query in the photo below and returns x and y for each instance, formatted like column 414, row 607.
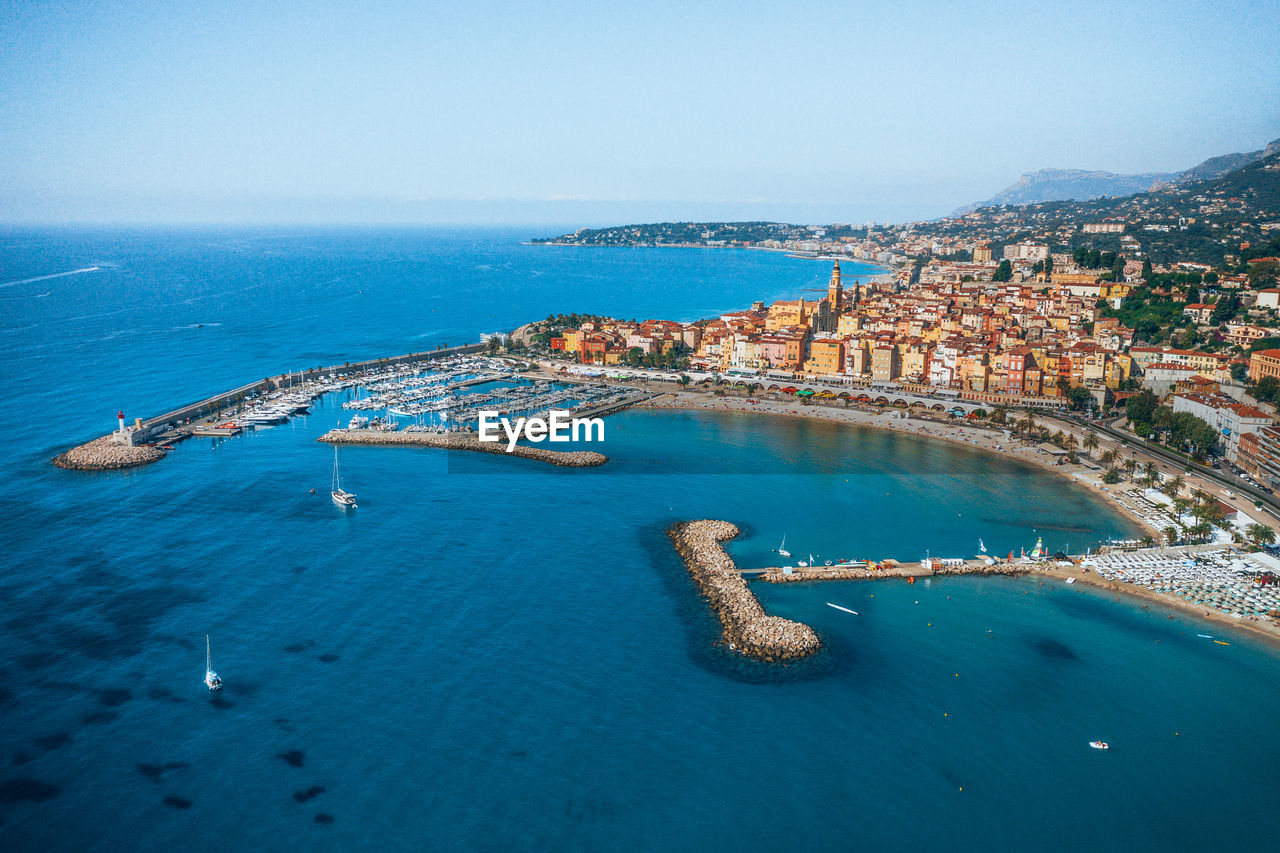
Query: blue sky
column 599, row 112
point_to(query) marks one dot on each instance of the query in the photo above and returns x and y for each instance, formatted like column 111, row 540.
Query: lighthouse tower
column 122, row 435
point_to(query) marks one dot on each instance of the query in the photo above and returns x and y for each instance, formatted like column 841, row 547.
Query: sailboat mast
column 208, row 654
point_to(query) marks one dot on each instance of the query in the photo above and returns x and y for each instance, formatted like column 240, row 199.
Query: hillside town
column 1033, row 329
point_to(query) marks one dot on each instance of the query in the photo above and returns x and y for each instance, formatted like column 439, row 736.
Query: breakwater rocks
column 103, row 454
column 465, row 441
column 901, row 570
column 984, row 569
column 744, row 622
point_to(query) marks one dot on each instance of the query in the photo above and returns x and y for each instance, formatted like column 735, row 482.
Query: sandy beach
column 993, row 442
column 1265, row 629
column 908, row 421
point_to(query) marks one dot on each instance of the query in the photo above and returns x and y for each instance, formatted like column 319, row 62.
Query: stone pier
column 744, row 622
column 464, row 441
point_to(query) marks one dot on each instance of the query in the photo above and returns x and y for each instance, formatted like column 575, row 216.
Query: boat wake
column 47, row 277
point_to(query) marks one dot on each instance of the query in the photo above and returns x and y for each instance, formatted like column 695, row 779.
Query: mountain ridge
column 1045, row 185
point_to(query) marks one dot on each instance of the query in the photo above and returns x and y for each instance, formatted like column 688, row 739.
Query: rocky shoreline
column 464, row 441
column 103, row 454
column 744, row 623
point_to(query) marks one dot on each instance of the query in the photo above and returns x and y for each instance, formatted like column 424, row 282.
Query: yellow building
column 573, row 340
column 787, row 313
column 826, row 357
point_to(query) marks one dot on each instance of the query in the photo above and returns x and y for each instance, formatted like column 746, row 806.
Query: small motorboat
column 1099, row 744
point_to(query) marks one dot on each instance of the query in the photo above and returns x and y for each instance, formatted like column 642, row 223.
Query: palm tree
column 999, row 415
column 1201, row 530
column 1071, row 442
column 1171, row 534
column 1130, row 465
column 1261, row 533
column 1151, row 473
column 1174, row 487
column 1200, row 496
column 1109, row 457
column 1090, row 442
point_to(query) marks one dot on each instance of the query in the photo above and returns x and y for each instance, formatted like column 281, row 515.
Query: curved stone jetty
column 744, row 622
column 465, row 441
column 103, row 454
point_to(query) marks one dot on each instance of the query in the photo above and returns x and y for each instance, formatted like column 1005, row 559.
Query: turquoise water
column 494, row 654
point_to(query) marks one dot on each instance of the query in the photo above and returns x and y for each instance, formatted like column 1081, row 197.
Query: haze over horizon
column 568, row 113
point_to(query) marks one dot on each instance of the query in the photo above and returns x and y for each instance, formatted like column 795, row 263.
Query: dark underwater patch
column 327, row 658
column 20, row 758
column 309, row 794
column 114, row 696
column 177, row 803
column 295, row 648
column 99, row 717
column 51, row 742
column 293, row 757
column 5, row 696
column 220, row 703
column 25, row 789
column 155, row 772
column 39, row 659
column 324, row 818
column 165, row 693
column 1052, row 649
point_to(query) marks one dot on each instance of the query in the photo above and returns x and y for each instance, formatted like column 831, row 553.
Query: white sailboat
column 782, row 549
column 341, row 498
column 982, row 549
column 211, row 679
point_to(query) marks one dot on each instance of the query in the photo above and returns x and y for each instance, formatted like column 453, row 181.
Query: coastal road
column 1172, row 464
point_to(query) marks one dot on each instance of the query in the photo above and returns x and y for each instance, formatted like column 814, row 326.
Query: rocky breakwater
column 984, row 569
column 103, row 454
column 838, row 573
column 465, row 441
column 745, row 624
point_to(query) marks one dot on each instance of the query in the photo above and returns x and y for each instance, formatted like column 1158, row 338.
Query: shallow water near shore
column 492, row 653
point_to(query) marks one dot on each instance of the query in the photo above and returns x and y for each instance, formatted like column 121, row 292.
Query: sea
column 494, row 654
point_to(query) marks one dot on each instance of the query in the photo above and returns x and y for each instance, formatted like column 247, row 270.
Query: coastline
column 1268, row 631
column 794, row 253
column 983, row 440
column 974, row 438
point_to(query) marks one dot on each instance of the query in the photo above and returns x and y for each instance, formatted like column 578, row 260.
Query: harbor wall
column 743, row 621
column 208, row 406
column 464, row 441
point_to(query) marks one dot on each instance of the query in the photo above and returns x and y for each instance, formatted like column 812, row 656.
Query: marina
column 441, row 393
